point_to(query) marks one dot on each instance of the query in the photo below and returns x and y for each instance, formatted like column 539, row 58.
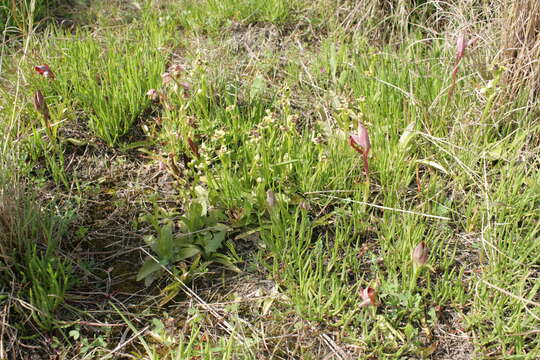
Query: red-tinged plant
column 194, row 148
column 461, row 46
column 419, row 257
column 420, row 254
column 45, row 70
column 369, row 297
column 166, row 78
column 41, row 106
column 360, row 142
column 186, row 87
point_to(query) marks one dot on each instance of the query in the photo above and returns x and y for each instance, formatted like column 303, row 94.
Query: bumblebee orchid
column 153, row 95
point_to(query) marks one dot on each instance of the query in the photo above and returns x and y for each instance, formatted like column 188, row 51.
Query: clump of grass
column 31, row 270
column 17, row 14
column 107, row 78
column 211, row 15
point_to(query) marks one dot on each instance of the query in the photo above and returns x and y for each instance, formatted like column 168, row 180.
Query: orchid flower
column 153, row 94
column 166, row 78
column 419, row 258
column 369, row 297
column 360, row 142
column 45, row 70
column 175, row 70
column 461, row 45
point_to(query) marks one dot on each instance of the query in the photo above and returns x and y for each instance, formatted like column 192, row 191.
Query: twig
column 2, row 352
column 388, row 208
column 506, row 292
column 89, row 323
column 121, row 345
column 331, row 343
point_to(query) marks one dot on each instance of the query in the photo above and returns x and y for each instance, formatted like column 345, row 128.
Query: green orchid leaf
column 214, row 243
column 187, row 252
column 150, row 266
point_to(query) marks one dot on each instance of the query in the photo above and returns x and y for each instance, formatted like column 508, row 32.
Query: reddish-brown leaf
column 41, row 105
column 194, row 148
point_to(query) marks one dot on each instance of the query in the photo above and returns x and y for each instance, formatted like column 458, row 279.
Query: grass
column 233, row 192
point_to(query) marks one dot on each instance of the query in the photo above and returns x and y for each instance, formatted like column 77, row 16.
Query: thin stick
column 333, row 346
column 121, row 345
column 506, row 292
column 388, row 208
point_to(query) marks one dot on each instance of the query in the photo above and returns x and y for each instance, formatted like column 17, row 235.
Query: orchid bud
column 461, row 45
column 41, row 105
column 420, row 254
column 369, row 297
column 360, row 141
column 45, row 70
column 186, row 86
column 304, row 205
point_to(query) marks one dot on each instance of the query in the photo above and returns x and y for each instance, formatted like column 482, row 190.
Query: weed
column 246, row 108
column 30, row 238
column 200, row 237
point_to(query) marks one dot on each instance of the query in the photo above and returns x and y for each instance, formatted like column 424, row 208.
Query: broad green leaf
column 192, row 220
column 214, row 242
column 150, row 266
column 187, row 251
column 225, row 261
column 164, row 243
column 170, row 292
